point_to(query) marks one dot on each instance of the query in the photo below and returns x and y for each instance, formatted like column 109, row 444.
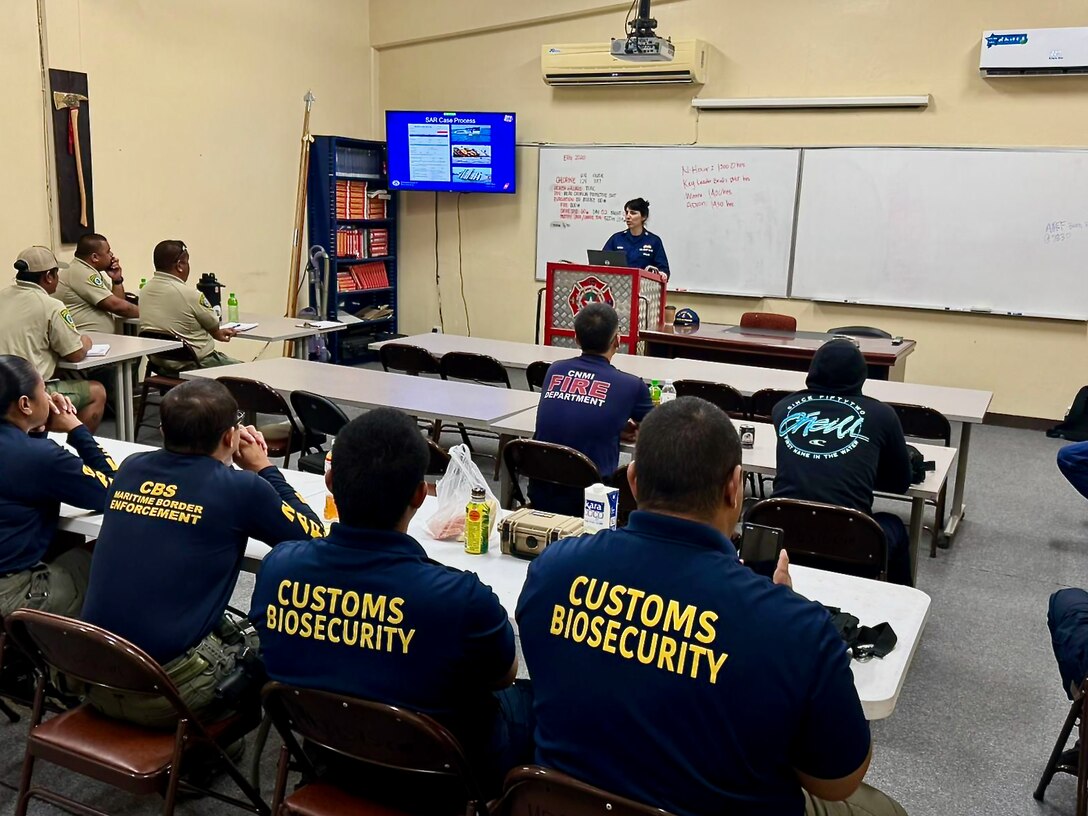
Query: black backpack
column 1075, row 425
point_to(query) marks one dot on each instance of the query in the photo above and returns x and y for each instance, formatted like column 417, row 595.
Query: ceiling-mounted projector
column 642, row 43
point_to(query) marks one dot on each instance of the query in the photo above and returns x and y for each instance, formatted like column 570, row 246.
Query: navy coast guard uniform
column 642, row 251
column 666, row 671
column 585, row 405
column 37, row 476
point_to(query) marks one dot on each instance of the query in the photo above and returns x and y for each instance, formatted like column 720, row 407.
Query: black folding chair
column 320, row 418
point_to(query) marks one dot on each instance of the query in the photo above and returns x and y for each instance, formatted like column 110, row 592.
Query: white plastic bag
column 453, row 491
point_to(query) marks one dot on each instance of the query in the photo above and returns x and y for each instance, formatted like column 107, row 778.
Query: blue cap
column 686, row 317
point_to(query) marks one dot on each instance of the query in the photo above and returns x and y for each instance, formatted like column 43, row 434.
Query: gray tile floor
column 982, row 702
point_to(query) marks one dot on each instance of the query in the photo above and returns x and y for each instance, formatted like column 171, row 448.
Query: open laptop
column 611, row 257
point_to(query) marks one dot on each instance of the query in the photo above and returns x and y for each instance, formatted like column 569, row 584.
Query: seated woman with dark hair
column 37, row 569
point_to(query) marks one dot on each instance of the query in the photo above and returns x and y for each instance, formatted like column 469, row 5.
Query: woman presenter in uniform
column 644, row 249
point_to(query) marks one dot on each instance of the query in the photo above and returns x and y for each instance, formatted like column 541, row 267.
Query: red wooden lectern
column 636, row 294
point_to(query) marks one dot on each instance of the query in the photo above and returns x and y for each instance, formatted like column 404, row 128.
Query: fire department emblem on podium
column 589, row 290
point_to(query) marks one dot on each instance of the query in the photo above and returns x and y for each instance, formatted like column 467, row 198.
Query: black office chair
column 861, row 331
column 320, row 418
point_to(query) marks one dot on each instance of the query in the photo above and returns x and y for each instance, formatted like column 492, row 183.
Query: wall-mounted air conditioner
column 593, row 64
column 1034, row 52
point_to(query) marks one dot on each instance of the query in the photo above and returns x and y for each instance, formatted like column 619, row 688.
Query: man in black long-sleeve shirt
column 837, row 446
column 172, row 541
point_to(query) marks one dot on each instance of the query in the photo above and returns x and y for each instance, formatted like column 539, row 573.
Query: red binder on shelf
column 637, row 295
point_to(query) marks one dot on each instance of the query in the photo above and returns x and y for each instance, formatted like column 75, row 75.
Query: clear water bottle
column 668, row 392
column 232, row 309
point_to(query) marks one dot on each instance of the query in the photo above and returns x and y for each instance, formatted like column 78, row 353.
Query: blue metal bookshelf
column 356, row 161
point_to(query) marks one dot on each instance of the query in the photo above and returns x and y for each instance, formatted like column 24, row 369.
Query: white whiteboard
column 998, row 230
column 725, row 215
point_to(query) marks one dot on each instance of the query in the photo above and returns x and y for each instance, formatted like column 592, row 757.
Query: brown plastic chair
column 923, row 423
column 627, row 503
column 724, row 396
column 255, row 397
column 163, row 380
column 133, row 758
column 377, row 735
column 826, row 536
column 861, row 331
column 768, row 320
column 533, row 789
column 1077, row 717
column 535, row 374
column 407, row 359
column 762, row 402
column 546, row 462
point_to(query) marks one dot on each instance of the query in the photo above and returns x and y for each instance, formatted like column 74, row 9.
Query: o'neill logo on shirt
column 589, row 290
column 823, row 427
column 578, row 386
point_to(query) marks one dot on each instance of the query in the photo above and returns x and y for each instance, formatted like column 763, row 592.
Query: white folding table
column 124, row 354
column 963, row 407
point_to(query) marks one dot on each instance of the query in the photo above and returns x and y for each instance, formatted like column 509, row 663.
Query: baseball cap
column 40, row 259
column 686, row 317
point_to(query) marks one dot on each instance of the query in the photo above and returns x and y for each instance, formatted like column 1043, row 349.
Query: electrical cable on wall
column 460, row 267
column 437, row 280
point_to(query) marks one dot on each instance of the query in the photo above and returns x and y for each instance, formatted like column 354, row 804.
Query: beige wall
column 197, row 113
column 787, row 48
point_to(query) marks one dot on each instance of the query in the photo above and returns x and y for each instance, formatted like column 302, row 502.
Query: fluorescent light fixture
column 788, row 102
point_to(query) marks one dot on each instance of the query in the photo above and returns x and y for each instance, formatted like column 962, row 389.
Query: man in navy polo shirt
column 365, row 612
column 837, row 446
column 666, row 671
column 587, row 404
column 173, row 536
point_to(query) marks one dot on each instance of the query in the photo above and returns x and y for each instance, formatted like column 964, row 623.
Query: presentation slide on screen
column 451, row 152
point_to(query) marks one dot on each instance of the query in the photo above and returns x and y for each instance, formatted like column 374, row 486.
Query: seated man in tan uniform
column 92, row 287
column 40, row 329
column 168, row 305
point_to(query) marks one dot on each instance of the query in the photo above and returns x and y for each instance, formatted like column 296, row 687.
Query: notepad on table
column 241, row 327
column 318, row 324
column 98, row 350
